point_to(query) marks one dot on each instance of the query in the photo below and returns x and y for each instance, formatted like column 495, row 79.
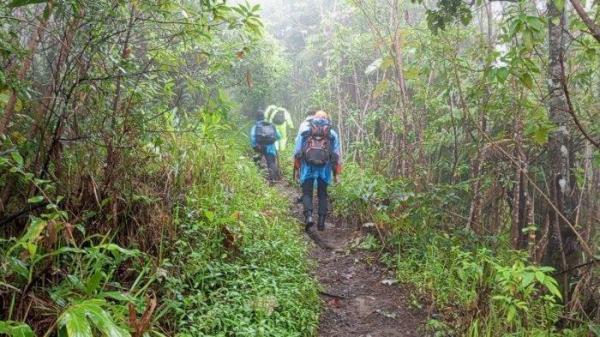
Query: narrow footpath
column 359, row 296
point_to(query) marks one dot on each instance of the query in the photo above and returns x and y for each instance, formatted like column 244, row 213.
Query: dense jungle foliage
column 128, row 202
column 130, row 205
column 470, row 137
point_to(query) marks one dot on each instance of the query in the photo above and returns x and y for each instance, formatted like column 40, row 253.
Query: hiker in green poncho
column 282, row 120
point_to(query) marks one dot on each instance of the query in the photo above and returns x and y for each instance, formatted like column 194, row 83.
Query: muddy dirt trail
column 359, row 295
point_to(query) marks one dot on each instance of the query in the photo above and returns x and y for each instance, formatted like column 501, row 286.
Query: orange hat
column 321, row 114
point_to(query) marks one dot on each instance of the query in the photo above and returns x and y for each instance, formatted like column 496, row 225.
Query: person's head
column 260, row 114
column 321, row 114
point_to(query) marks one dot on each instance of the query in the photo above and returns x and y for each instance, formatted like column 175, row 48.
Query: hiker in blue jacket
column 316, row 160
column 263, row 136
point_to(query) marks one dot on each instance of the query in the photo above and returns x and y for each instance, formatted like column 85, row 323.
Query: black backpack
column 279, row 117
column 265, row 133
column 317, row 148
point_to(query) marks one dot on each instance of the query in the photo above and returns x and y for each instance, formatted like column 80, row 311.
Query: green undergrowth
column 239, row 265
column 229, row 261
column 479, row 286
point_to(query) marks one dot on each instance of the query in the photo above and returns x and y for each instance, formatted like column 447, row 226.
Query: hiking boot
column 308, row 222
column 321, row 223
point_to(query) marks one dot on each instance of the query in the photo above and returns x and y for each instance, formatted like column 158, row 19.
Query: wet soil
column 370, row 302
column 360, row 296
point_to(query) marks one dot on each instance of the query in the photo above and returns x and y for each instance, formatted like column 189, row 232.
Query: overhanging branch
column 592, row 26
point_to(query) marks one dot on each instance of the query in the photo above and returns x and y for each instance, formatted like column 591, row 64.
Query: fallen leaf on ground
column 335, row 303
column 389, row 282
column 387, row 314
column 348, row 276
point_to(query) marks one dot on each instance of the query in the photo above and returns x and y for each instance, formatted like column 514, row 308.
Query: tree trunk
column 113, row 154
column 562, row 247
column 405, row 148
column 476, row 166
column 517, row 204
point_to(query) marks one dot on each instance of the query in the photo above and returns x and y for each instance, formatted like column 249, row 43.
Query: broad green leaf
column 541, row 277
column 76, row 324
column 552, row 287
column 114, row 248
column 499, row 298
column 104, row 322
column 31, row 248
column 16, row 156
column 527, row 279
column 527, row 80
column 18, row 267
column 501, row 74
column 510, row 315
column 16, row 329
column 77, row 318
column 28, row 240
column 535, row 22
column 22, row 330
column 239, row 10
column 92, row 284
column 36, row 199
column 34, row 231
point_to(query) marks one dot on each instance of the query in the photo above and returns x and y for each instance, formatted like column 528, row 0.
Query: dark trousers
column 272, row 167
column 271, row 161
column 307, row 196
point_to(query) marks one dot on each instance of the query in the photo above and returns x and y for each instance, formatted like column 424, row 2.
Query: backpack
column 279, row 117
column 317, row 149
column 265, row 133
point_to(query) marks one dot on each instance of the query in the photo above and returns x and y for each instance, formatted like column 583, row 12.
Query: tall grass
column 226, row 258
column 241, row 269
column 478, row 285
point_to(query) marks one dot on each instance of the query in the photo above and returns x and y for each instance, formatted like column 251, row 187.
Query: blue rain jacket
column 269, row 149
column 308, row 171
